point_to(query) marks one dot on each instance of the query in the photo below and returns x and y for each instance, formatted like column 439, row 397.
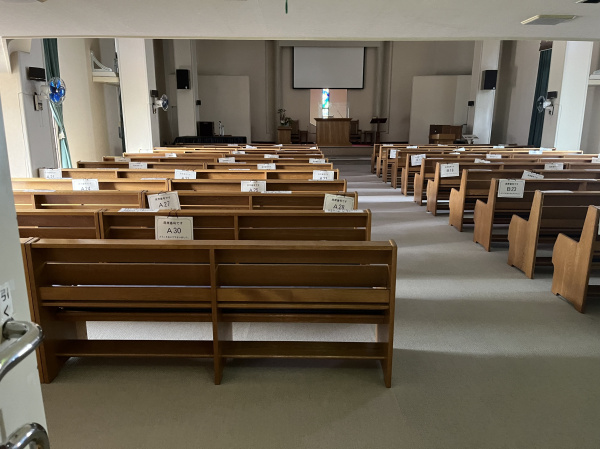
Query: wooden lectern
column 378, row 121
column 333, row 132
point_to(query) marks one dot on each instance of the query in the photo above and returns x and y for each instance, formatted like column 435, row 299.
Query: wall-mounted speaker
column 488, row 79
column 36, row 74
column 183, row 78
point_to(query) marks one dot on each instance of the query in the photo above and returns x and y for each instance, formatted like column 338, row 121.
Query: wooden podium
column 333, row 132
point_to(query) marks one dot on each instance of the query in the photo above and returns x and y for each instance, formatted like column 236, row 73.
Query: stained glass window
column 325, row 103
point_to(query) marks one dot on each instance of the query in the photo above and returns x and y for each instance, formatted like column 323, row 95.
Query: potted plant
column 283, row 120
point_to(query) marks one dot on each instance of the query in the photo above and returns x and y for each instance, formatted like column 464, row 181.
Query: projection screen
column 329, row 67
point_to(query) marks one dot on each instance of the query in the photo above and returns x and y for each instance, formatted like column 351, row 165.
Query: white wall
column 111, row 99
column 20, row 392
column 29, row 133
column 240, row 58
column 517, row 78
column 84, row 108
column 437, row 100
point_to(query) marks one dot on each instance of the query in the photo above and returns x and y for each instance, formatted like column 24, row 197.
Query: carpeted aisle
column 484, row 358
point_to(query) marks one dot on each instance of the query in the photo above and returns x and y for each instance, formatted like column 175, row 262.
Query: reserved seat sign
column 185, row 174
column 393, row 154
column 314, row 160
column 449, row 170
column 511, row 188
column 338, row 203
column 417, row 159
column 164, row 201
column 227, row 160
column 323, row 175
column 85, row 184
column 265, row 167
column 173, row 228
column 138, row 165
column 50, row 173
column 254, row 186
column 554, row 166
column 531, row 175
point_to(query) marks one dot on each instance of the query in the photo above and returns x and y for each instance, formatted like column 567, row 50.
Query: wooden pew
column 551, row 213
column 155, row 185
column 59, row 223
column 208, row 224
column 500, row 210
column 221, row 185
column 245, row 225
column 221, row 282
column 79, row 200
column 574, row 260
column 253, row 201
column 475, row 184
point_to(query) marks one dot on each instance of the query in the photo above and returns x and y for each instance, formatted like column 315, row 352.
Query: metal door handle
column 29, row 433
column 28, row 336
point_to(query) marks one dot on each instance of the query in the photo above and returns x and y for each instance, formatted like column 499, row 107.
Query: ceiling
column 307, row 19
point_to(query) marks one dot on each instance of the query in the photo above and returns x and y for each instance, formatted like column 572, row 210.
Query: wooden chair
column 355, row 133
column 298, row 135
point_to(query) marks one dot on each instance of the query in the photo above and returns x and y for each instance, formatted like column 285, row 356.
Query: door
column 541, row 90
column 20, row 391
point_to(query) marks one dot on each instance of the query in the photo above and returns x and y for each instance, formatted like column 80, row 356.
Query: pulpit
column 333, row 132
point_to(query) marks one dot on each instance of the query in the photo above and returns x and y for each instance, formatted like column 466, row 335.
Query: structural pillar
column 185, row 57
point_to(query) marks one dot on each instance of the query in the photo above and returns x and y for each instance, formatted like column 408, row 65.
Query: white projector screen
column 329, row 67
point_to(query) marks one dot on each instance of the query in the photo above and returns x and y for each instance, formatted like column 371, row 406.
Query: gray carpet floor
column 483, row 358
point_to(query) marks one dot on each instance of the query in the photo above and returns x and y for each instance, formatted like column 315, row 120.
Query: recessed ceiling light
column 547, row 19
column 587, row 1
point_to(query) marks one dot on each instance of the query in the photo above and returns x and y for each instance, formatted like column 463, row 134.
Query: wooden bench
column 220, row 282
column 208, row 224
column 221, row 185
column 79, row 200
column 574, row 261
column 59, row 223
column 154, row 185
column 551, row 213
column 499, row 211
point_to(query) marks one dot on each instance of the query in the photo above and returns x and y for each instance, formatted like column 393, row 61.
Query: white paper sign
column 461, row 149
column 536, row 152
column 416, row 159
column 388, row 144
column 453, row 153
column 170, row 154
column 173, row 228
column 227, row 160
column 251, row 147
column 314, row 160
column 271, row 156
column 596, row 160
column 482, row 161
column 279, row 191
column 323, row 175
column 498, row 146
column 85, row 184
column 449, row 170
column 122, row 159
column 554, row 166
column 412, row 147
column 511, row 188
column 531, row 175
column 238, row 152
column 543, row 150
column 138, row 165
column 137, row 209
column 337, row 203
column 146, row 151
column 50, row 173
column 185, row 174
column 6, row 303
column 164, row 201
column 266, row 167
column 493, row 156
column 232, row 144
column 312, row 148
column 393, row 154
column 254, row 186
column 278, row 145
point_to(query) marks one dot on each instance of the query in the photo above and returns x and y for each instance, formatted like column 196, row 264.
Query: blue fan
column 57, row 90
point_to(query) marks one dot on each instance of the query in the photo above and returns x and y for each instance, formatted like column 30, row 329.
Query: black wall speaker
column 205, row 129
column 36, row 74
column 488, row 79
column 183, row 78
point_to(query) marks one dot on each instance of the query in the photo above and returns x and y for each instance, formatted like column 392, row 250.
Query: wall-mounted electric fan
column 542, row 103
column 162, row 103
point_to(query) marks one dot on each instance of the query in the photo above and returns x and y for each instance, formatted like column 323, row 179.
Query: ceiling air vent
column 547, row 19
